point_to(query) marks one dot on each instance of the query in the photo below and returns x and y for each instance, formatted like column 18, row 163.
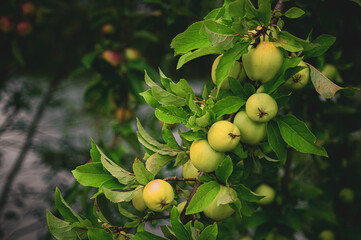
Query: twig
column 156, row 218
column 278, row 8
column 194, row 190
column 179, row 179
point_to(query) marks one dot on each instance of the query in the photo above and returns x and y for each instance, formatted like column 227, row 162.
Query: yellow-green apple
column 158, row 195
column 111, row 57
column 107, row 29
column 24, row 28
column 347, row 195
column 219, row 212
column 190, row 171
column 268, row 193
column 223, row 136
column 300, row 79
column 236, row 71
column 262, row 62
column 204, row 157
column 327, row 235
column 261, row 107
column 330, row 71
column 138, row 201
column 132, row 54
column 251, row 132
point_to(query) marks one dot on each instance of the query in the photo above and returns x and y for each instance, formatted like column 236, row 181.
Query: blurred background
column 71, row 70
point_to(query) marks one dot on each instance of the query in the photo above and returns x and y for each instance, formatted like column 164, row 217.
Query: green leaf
column 126, row 213
column 237, row 9
column 91, row 175
column 167, row 231
column 190, row 39
column 218, row 28
column 248, row 208
column 264, row 11
column 117, row 197
column 94, row 153
column 228, row 105
column 324, row 86
column 148, row 80
column 88, row 59
column 194, row 107
column 324, row 41
column 17, row 53
column 204, row 120
column 204, row 196
column 171, row 115
column 142, row 175
column 196, row 54
column 191, row 136
column 148, row 97
column 288, row 43
column 244, row 193
column 294, row 12
column 236, row 88
column 147, row 137
column 65, row 210
column 182, row 89
column 215, row 14
column 156, row 162
column 163, row 151
column 96, row 234
column 59, row 229
column 167, row 98
column 168, row 137
column 178, row 228
column 225, row 169
column 209, row 233
column 276, row 141
column 123, row 176
column 143, row 235
column 297, row 135
column 181, row 159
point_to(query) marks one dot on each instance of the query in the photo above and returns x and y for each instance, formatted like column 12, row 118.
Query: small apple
column 158, row 195
column 107, row 29
column 347, row 195
column 268, row 192
column 123, row 114
column 132, row 54
column 28, row 8
column 181, row 206
column 204, row 157
column 261, row 107
column 111, row 57
column 246, row 238
column 251, row 132
column 223, row 136
column 300, row 79
column 138, row 201
column 24, row 28
column 236, row 72
column 219, row 212
column 327, row 235
column 5, row 24
column 330, row 71
column 262, row 62
column 190, row 171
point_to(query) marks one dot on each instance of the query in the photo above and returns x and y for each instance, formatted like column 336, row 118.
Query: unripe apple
column 181, row 206
column 111, row 57
column 108, row 29
column 236, row 72
column 268, row 192
column 138, row 201
column 219, row 212
column 261, row 107
column 24, row 28
column 330, row 71
column 204, row 157
column 28, row 8
column 223, row 136
column 327, row 235
column 157, row 195
column 251, row 132
column 347, row 195
column 5, row 24
column 190, row 171
column 263, row 62
column 132, row 54
column 300, row 79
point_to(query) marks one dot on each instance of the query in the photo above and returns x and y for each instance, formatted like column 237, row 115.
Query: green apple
column 347, row 195
column 190, row 171
column 181, row 206
column 138, row 201
column 219, row 212
column 236, row 72
column 261, row 107
column 268, row 193
column 300, row 79
column 251, row 132
column 158, row 195
column 204, row 157
column 327, row 235
column 262, row 62
column 132, row 54
column 223, row 136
